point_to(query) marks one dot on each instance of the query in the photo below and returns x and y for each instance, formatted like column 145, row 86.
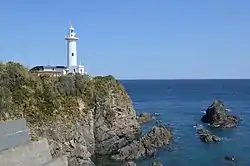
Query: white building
column 72, row 65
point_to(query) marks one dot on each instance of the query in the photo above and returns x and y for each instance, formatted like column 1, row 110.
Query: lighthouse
column 72, row 66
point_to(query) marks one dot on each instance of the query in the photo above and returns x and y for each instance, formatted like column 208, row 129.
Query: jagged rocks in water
column 217, row 116
column 207, row 137
column 158, row 136
column 130, row 163
column 156, row 163
column 145, row 118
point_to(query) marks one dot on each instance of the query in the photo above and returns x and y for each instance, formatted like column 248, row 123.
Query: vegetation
column 41, row 99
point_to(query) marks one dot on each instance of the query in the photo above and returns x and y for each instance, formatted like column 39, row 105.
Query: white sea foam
column 203, row 111
column 198, row 126
column 157, row 114
column 225, row 138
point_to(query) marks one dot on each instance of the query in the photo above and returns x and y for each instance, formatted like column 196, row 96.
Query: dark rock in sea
column 153, row 155
column 217, row 116
column 130, row 163
column 159, row 136
column 145, row 118
column 230, row 158
column 207, row 137
column 156, row 163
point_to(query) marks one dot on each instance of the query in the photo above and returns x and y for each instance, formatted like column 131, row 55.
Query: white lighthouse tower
column 72, row 66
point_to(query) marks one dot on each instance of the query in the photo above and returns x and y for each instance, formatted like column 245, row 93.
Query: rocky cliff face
column 102, row 128
column 158, row 136
column 79, row 116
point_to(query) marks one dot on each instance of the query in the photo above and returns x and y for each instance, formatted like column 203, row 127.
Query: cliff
column 79, row 116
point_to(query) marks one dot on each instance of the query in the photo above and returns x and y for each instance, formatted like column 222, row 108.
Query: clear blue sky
column 132, row 38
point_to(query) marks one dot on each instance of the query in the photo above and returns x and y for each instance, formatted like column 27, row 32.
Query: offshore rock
column 207, row 137
column 158, row 136
column 230, row 158
column 145, row 118
column 217, row 116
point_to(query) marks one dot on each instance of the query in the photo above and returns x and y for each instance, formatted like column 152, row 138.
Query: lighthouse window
column 72, row 54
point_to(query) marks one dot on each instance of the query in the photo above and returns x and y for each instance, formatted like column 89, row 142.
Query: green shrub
column 41, row 99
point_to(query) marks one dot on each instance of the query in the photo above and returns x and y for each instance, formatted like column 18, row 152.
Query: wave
column 157, row 114
column 226, row 138
column 198, row 126
column 203, row 111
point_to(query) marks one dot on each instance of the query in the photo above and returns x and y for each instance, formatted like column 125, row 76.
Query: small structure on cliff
column 72, row 65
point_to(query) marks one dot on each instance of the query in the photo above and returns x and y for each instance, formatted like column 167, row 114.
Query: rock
column 230, row 158
column 158, row 136
column 217, row 116
column 158, row 122
column 130, row 163
column 156, row 163
column 145, row 118
column 207, row 137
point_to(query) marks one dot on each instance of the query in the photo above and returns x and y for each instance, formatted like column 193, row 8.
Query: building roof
column 39, row 68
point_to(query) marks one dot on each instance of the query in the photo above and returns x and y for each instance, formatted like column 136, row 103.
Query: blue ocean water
column 180, row 104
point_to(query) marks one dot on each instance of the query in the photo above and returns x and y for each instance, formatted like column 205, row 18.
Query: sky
column 132, row 39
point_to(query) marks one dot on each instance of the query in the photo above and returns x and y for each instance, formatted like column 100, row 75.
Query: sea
column 181, row 104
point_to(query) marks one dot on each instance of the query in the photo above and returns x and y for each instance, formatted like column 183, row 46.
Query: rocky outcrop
column 207, row 137
column 217, row 116
column 230, row 158
column 102, row 129
column 159, row 136
column 145, row 118
column 71, row 140
column 79, row 116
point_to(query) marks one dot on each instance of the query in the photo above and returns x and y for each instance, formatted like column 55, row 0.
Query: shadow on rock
column 158, row 136
column 207, row 137
column 217, row 116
